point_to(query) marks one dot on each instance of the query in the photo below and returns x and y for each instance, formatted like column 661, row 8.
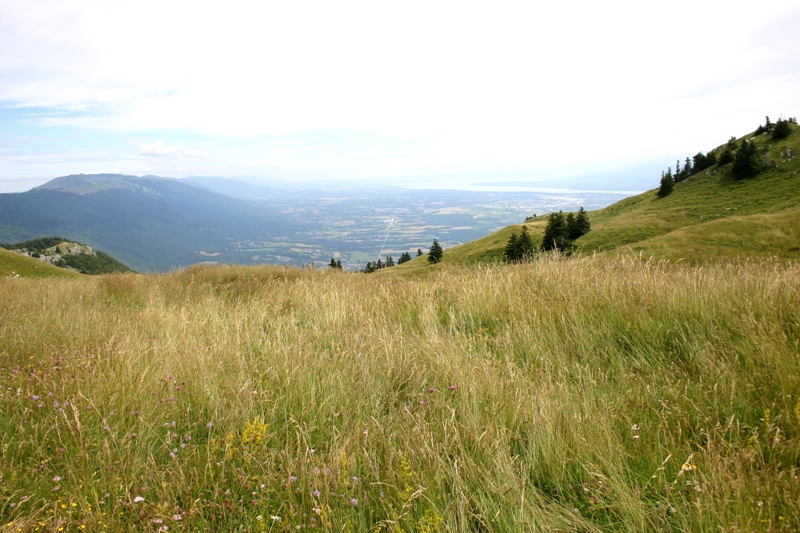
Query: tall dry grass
column 587, row 395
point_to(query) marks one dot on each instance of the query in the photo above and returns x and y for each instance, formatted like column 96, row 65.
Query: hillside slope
column 14, row 265
column 64, row 253
column 709, row 216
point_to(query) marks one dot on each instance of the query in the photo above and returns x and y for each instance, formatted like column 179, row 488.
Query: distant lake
column 514, row 187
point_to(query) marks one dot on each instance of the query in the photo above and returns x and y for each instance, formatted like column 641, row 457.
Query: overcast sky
column 378, row 90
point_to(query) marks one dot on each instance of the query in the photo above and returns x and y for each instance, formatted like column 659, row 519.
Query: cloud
column 431, row 86
column 161, row 149
column 158, row 149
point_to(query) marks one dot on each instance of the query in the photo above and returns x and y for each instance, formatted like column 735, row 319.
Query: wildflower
column 57, row 479
column 422, row 402
column 35, row 398
column 209, row 425
column 158, row 521
column 431, row 389
column 452, row 387
column 354, row 502
column 259, row 518
column 292, row 479
column 635, row 427
column 316, row 494
column 275, row 518
column 138, row 499
column 177, row 517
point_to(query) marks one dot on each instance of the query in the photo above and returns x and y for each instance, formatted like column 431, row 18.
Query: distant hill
column 63, row 253
column 149, row 223
column 709, row 216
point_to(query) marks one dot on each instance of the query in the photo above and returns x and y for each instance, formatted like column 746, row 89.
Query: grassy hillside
column 14, row 265
column 584, row 395
column 709, row 216
column 702, row 218
column 63, row 253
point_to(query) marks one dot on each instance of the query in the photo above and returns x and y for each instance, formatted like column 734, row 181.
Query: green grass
column 592, row 394
column 14, row 265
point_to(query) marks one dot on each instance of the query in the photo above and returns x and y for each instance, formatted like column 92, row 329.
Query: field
column 591, row 394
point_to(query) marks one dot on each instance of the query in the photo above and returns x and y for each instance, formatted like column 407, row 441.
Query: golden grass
column 589, row 395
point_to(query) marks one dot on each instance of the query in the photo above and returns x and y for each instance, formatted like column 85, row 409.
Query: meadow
column 589, row 394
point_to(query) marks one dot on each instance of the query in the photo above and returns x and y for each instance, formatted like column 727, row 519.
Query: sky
column 542, row 93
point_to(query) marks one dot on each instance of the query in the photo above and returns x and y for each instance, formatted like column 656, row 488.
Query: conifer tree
column 728, row 152
column 746, row 162
column 580, row 225
column 667, row 185
column 519, row 247
column 419, row 252
column 389, row 261
column 555, row 234
column 436, row 253
column 781, row 130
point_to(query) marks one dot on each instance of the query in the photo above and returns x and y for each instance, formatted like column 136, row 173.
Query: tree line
column 559, row 234
column 746, row 161
column 434, row 256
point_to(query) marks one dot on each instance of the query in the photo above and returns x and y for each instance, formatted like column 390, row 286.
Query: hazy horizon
column 363, row 91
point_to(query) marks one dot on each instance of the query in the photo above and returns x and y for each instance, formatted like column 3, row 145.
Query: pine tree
column 419, row 252
column 781, row 130
column 746, row 162
column 389, row 261
column 555, row 234
column 333, row 263
column 728, row 152
column 404, row 257
column 510, row 253
column 667, row 185
column 519, row 248
column 436, row 253
column 580, row 225
column 339, row 264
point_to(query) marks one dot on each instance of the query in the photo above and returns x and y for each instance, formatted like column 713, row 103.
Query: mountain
column 149, row 223
column 710, row 216
column 63, row 253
